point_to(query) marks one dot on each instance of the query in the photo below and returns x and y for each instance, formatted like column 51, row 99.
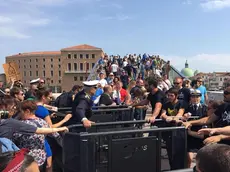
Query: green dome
column 187, row 72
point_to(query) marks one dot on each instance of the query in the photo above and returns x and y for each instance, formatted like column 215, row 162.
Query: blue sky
column 196, row 30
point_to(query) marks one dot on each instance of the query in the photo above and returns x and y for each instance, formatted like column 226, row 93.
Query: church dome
column 188, row 72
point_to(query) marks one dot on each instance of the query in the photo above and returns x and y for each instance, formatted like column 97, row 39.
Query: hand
column 169, row 119
column 87, row 123
column 152, row 119
column 187, row 125
column 64, row 129
column 67, row 117
column 55, row 109
column 212, row 139
column 186, row 116
column 53, row 115
column 207, row 131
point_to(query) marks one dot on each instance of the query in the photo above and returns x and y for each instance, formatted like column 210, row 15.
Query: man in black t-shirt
column 156, row 98
column 105, row 98
column 172, row 110
column 184, row 93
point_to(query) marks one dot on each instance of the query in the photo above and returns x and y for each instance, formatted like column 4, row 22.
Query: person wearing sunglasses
column 202, row 88
column 184, row 93
column 220, row 117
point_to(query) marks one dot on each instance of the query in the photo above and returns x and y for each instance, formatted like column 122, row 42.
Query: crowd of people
column 140, row 82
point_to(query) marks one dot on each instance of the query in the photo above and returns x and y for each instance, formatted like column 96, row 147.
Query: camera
column 4, row 114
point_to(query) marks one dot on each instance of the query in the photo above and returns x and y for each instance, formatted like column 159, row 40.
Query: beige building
column 60, row 69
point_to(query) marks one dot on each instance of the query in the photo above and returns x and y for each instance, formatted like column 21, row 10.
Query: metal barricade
column 112, row 151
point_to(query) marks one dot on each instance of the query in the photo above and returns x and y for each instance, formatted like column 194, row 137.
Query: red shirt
column 123, row 94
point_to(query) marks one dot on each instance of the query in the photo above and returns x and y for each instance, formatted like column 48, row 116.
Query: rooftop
column 78, row 47
column 82, row 47
column 39, row 53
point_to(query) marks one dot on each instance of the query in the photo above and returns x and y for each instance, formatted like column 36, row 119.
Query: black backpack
column 64, row 100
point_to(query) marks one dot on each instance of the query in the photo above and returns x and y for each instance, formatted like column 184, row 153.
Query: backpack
column 64, row 100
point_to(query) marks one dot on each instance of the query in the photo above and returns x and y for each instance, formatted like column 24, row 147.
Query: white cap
column 91, row 83
column 195, row 92
column 34, row 81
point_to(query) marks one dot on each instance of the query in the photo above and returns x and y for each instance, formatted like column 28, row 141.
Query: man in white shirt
column 114, row 68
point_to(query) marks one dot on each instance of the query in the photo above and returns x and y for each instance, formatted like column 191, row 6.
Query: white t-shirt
column 125, row 63
column 114, row 67
column 103, row 82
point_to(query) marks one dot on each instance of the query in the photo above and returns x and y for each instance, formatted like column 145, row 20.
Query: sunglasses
column 176, row 83
column 226, row 93
column 199, row 81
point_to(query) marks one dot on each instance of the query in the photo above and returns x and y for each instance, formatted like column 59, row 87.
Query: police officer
column 82, row 105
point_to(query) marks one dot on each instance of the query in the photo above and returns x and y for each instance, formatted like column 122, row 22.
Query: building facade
column 60, row 69
column 214, row 81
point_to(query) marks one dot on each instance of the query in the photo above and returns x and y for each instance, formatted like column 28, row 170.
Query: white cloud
column 97, row 17
column 4, row 19
column 215, row 4
column 202, row 62
column 38, row 22
column 10, row 32
column 111, row 5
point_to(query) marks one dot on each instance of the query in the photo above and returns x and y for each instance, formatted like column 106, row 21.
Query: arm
column 50, row 130
column 180, row 113
column 157, row 109
column 206, row 98
column 224, row 130
column 142, row 103
column 163, row 114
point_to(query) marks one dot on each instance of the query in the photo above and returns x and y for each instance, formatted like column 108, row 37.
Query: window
column 75, row 78
column 81, row 56
column 52, row 73
column 86, row 78
column 87, row 56
column 220, row 79
column 36, row 60
column 75, row 56
column 59, row 66
column 19, row 67
column 59, row 81
column 24, row 73
column 69, row 66
column 30, row 66
column 59, row 60
column 36, row 73
column 81, row 78
column 59, row 73
column 75, row 66
column 51, row 66
column 69, row 56
column 44, row 60
column 30, row 60
column 52, row 81
column 87, row 66
column 93, row 65
column 25, row 82
column 36, row 66
column 51, row 60
column 30, row 73
column 44, row 73
column 81, row 66
column 93, row 56
column 24, row 66
column 18, row 61
column 44, row 66
column 24, row 60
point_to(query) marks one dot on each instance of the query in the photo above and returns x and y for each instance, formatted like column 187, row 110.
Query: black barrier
column 116, row 150
column 106, row 115
column 64, row 109
column 183, row 170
